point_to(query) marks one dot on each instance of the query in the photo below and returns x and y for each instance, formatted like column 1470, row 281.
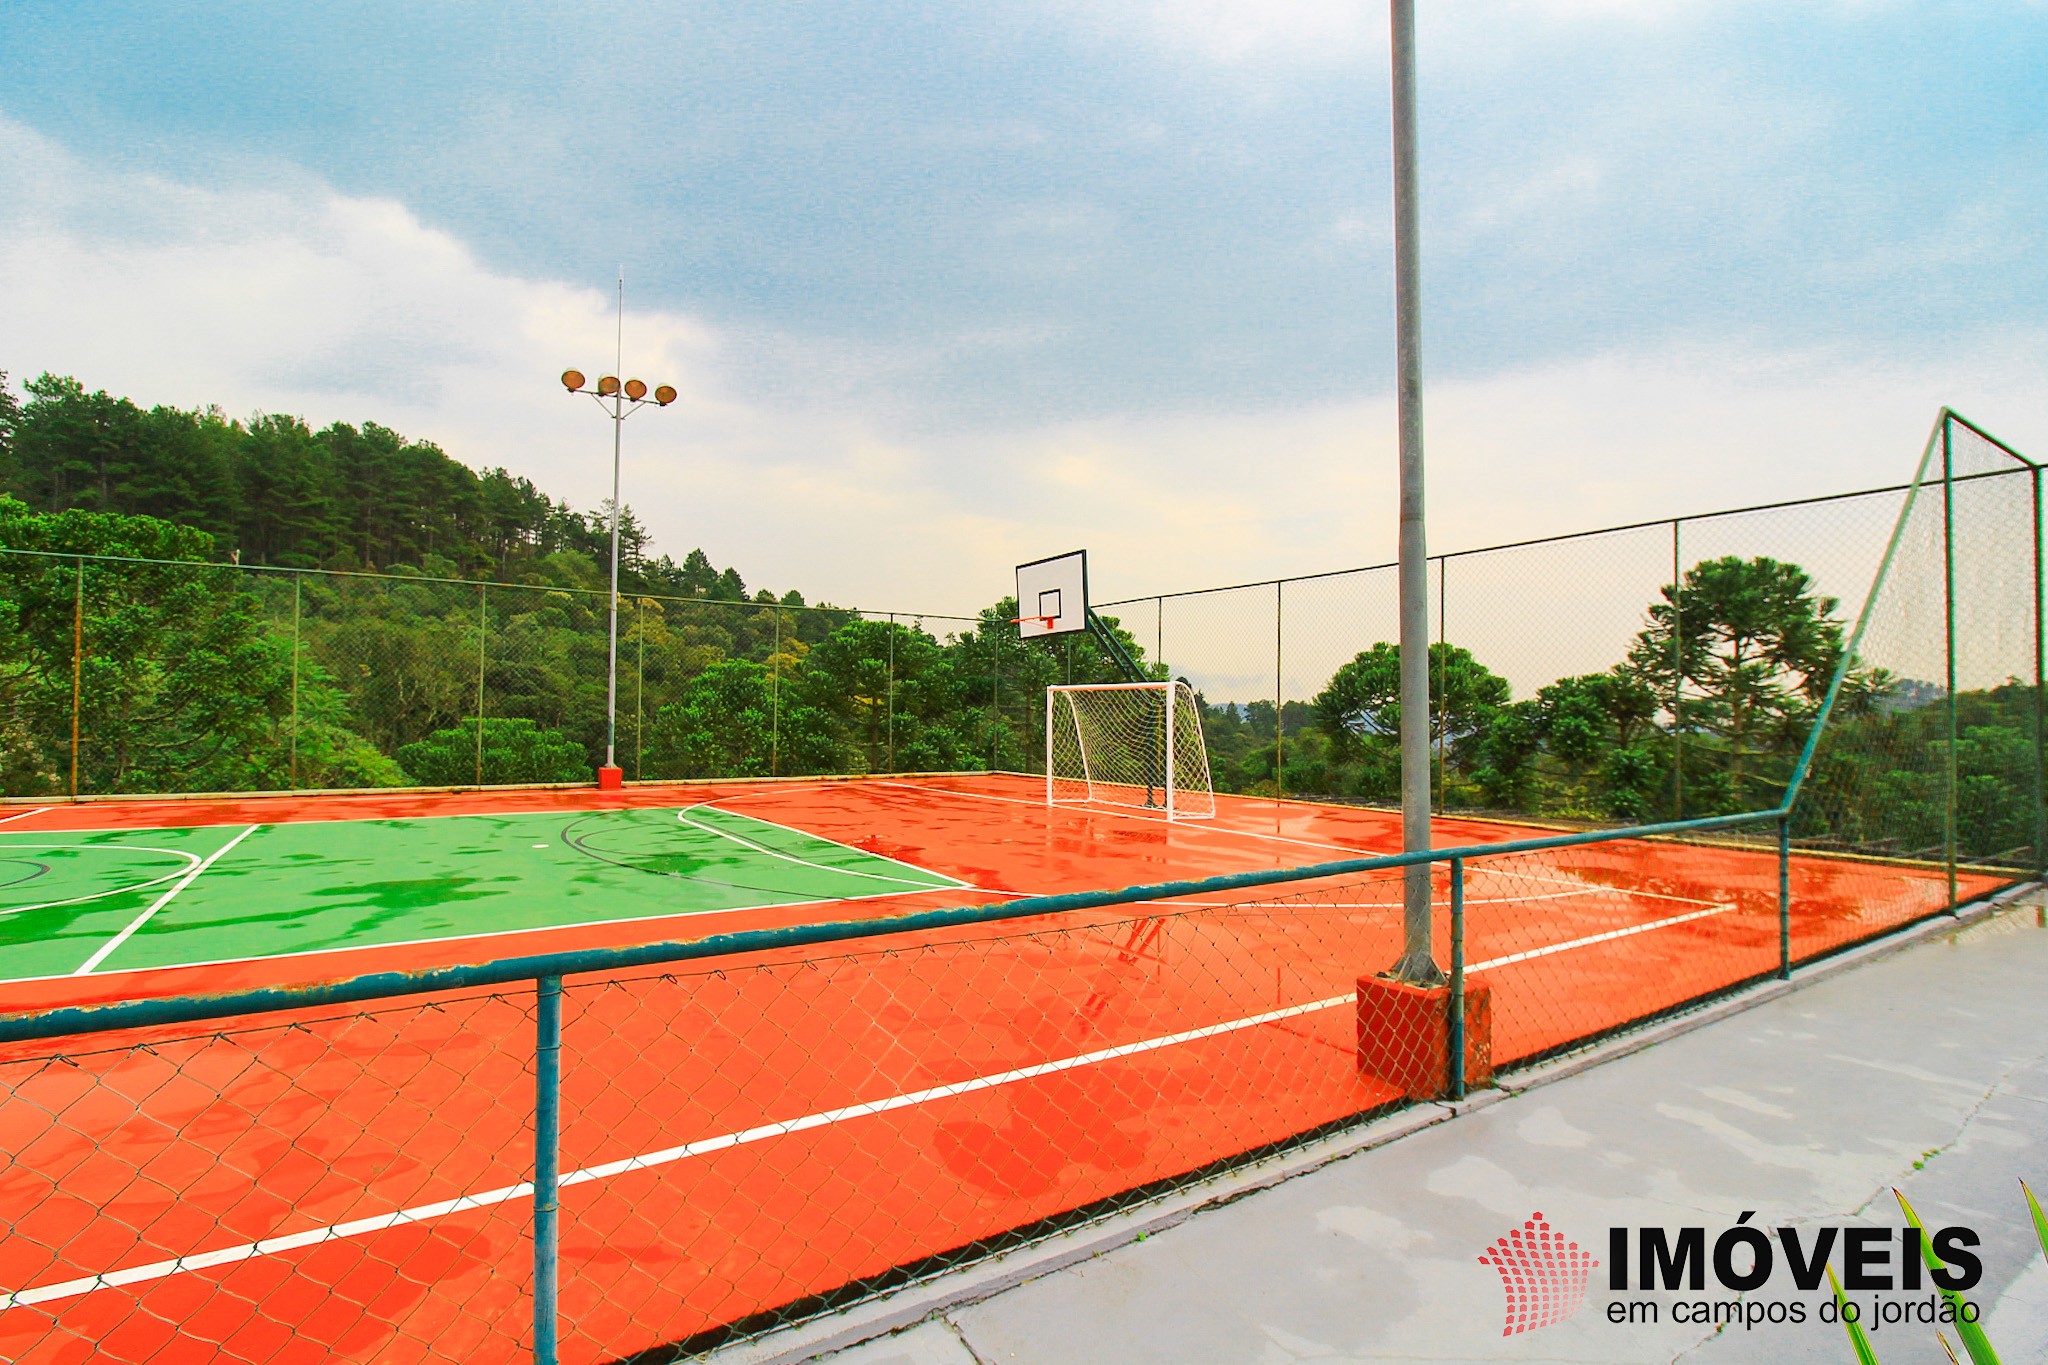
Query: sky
column 948, row 287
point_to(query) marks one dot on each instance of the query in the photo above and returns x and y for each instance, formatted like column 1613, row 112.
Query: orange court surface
column 288, row 890
column 764, row 1128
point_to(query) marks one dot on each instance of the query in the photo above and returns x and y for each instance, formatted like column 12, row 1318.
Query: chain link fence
column 1572, row 687
column 1674, row 669
column 642, row 1153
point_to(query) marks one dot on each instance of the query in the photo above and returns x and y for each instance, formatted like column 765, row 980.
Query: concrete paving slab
column 928, row 1343
column 1927, row 1071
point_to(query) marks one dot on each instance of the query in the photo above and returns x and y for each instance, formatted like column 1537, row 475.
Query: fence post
column 77, row 663
column 1785, row 897
column 483, row 629
column 1443, row 691
column 298, row 582
column 2040, row 700
column 892, row 692
column 1948, row 600
column 547, row 1164
column 1677, row 679
column 1279, row 703
column 775, row 699
column 1457, row 1038
column 640, row 688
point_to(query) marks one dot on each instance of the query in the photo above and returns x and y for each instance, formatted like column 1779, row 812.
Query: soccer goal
column 1128, row 744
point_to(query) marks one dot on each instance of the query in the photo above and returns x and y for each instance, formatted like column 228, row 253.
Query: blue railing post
column 1784, row 898
column 547, row 1163
column 1457, row 1038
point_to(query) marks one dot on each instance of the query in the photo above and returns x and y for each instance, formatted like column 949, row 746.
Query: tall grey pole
column 627, row 396
column 1417, row 964
column 611, row 681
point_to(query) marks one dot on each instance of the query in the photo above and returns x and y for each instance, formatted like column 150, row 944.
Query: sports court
column 760, row 1130
column 107, row 900
column 1085, row 986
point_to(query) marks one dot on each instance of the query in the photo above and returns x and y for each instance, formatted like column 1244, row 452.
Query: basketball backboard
column 1052, row 595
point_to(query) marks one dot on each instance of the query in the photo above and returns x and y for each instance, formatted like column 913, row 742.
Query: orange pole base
column 1404, row 1035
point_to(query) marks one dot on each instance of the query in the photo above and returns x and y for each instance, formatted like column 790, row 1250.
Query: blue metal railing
column 546, row 972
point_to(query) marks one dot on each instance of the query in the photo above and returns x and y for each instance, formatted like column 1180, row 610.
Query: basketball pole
column 1417, row 963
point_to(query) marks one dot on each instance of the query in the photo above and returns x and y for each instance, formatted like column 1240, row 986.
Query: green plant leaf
column 1972, row 1336
column 2040, row 1222
column 1864, row 1355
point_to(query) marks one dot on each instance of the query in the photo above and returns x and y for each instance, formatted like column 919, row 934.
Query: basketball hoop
column 1045, row 622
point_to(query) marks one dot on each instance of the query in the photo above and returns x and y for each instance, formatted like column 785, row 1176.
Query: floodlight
column 665, row 395
column 635, row 390
column 608, row 385
column 572, row 380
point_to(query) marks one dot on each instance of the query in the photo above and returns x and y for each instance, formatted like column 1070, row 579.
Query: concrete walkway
column 1925, row 1069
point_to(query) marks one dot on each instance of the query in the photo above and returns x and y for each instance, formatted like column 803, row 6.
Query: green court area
column 74, row 902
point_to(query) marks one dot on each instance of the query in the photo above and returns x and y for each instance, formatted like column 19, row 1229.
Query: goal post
column 1128, row 744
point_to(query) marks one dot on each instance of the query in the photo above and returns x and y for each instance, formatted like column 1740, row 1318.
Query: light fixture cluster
column 609, row 387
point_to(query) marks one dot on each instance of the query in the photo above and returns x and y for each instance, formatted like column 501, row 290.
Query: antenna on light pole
column 620, row 399
column 1418, row 963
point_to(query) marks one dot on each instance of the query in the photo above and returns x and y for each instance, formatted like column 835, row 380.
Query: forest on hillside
column 234, row 642
column 272, row 491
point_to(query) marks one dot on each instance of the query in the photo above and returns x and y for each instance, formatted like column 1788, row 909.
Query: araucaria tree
column 1755, row 648
column 1360, row 711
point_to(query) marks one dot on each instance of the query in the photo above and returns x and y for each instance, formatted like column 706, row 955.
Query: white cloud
column 1339, row 32
column 301, row 299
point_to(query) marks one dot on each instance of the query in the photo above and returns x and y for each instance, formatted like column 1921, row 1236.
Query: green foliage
column 1755, row 648
column 197, row 675
column 273, row 491
column 511, row 750
column 1505, row 750
column 1859, row 1340
column 733, row 720
column 1241, row 748
column 893, row 693
column 1359, row 712
column 180, row 685
column 1599, row 734
column 2039, row 1218
column 1880, row 778
column 1973, row 1338
column 1363, row 699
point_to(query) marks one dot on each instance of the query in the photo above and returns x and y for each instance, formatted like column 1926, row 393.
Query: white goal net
column 1128, row 744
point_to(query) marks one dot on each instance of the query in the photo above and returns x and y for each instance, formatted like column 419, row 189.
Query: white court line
column 157, row 1270
column 533, row 929
column 1278, row 839
column 161, row 901
column 23, row 815
column 190, row 859
column 1599, row 938
column 1284, row 904
column 806, row 833
column 948, row 884
column 269, row 1246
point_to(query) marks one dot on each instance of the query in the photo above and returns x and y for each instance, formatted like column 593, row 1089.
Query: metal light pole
column 1417, row 963
column 620, row 401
